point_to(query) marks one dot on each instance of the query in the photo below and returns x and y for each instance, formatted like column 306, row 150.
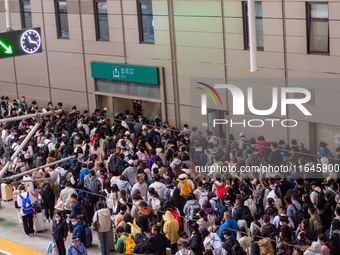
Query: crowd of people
column 135, row 183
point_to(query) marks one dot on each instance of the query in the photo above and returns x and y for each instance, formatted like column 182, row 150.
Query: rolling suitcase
column 39, row 222
column 6, row 192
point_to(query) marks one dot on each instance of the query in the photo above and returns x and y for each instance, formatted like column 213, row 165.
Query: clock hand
column 29, row 39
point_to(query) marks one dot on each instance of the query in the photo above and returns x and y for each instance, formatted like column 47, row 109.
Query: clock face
column 30, row 41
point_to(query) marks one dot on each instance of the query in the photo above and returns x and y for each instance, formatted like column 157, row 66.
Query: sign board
column 20, row 42
column 125, row 73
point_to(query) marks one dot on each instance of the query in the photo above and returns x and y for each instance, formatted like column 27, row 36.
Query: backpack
column 134, row 228
column 247, row 217
column 220, row 210
column 256, row 194
column 250, row 202
column 297, row 216
column 111, row 145
column 185, row 188
column 12, row 149
column 112, row 166
column 321, row 200
column 129, row 244
column 200, row 158
column 178, row 169
column 46, row 192
column 87, row 200
column 27, row 207
column 62, row 181
column 237, row 250
column 94, row 185
column 221, row 191
column 203, row 197
column 193, row 210
column 177, row 217
column 44, row 150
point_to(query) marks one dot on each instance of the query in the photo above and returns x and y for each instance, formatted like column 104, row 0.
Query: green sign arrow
column 8, row 49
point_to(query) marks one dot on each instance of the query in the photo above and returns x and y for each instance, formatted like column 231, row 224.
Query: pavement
column 12, row 230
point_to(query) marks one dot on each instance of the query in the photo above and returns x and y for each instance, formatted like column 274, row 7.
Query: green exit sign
column 21, row 42
column 125, row 73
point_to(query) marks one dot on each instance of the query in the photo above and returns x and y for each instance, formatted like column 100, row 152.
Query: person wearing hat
column 25, row 201
column 76, row 248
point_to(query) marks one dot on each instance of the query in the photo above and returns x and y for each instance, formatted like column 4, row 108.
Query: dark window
column 26, row 14
column 62, row 21
column 317, row 28
column 259, row 25
column 102, row 23
column 145, row 20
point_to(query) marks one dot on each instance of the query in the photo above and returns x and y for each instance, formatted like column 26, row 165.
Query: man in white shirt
column 25, row 200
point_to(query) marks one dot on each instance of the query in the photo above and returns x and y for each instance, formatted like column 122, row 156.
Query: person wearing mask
column 103, row 217
column 78, row 228
column 25, row 201
column 59, row 232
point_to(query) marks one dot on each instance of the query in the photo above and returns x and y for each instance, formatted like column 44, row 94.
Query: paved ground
column 12, row 230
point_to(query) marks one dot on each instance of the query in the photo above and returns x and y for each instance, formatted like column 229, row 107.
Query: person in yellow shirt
column 170, row 230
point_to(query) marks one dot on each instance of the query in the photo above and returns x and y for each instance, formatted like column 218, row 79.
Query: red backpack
column 177, row 217
column 221, row 190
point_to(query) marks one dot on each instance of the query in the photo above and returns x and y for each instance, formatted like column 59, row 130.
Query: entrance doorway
column 116, row 105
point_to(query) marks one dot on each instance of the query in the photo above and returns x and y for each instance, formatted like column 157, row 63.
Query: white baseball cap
column 242, row 134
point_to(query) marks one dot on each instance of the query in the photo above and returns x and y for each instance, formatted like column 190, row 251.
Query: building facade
column 96, row 52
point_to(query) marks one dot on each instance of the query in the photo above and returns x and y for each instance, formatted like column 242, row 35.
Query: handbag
column 50, row 246
column 96, row 225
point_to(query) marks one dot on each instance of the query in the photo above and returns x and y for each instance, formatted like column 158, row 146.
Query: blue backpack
column 27, row 207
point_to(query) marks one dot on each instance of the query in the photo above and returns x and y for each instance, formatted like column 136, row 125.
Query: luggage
column 39, row 222
column 6, row 192
column 88, row 237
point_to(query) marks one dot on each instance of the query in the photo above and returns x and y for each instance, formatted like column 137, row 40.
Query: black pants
column 49, row 207
column 61, row 247
column 27, row 221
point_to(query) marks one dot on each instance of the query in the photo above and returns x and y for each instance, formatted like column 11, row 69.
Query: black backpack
column 298, row 216
column 112, row 166
column 45, row 151
column 111, row 144
column 246, row 215
column 200, row 158
column 46, row 192
column 87, row 200
column 237, row 250
column 62, row 182
column 321, row 200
